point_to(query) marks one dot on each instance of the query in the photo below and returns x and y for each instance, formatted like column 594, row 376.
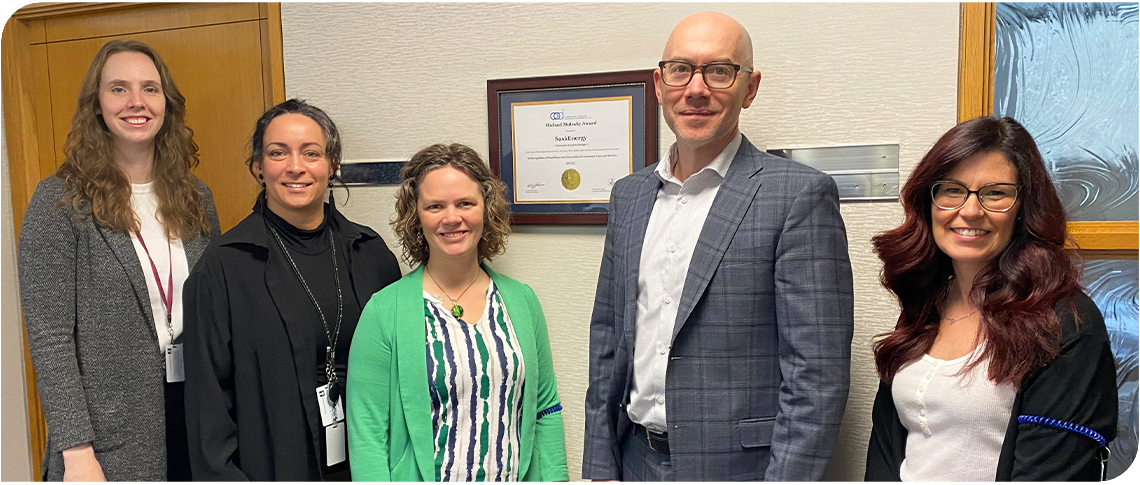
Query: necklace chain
column 456, row 309
column 963, row 317
column 331, row 340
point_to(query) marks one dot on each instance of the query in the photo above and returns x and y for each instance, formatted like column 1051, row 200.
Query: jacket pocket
column 395, row 464
column 755, row 432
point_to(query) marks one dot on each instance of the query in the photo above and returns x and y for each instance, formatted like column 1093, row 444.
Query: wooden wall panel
column 146, row 18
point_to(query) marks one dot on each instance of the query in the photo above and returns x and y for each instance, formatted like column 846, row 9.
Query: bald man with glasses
column 720, row 341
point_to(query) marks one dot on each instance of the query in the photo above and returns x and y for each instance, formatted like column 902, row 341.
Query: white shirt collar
column 719, row 164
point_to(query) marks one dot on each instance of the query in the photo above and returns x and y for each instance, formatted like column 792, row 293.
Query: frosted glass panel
column 1068, row 72
column 1113, row 286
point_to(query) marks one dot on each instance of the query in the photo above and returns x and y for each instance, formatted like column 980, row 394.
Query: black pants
column 640, row 463
column 177, row 448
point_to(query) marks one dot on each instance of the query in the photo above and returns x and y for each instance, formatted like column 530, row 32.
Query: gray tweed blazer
column 758, row 369
column 92, row 338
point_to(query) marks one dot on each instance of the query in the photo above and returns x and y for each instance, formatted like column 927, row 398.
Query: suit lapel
column 411, row 362
column 732, row 202
column 124, row 251
column 295, row 310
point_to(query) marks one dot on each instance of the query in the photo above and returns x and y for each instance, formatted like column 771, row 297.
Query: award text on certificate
column 571, row 150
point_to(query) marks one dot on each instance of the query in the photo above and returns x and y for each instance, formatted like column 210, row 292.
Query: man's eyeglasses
column 717, row 75
column 950, row 196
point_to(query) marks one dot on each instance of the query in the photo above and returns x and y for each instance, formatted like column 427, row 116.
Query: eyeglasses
column 717, row 75
column 950, row 196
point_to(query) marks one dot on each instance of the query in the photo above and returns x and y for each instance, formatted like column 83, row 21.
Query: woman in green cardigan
column 437, row 367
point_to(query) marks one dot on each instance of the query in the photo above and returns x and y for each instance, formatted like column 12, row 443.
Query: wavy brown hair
column 99, row 188
column 496, row 212
column 1016, row 294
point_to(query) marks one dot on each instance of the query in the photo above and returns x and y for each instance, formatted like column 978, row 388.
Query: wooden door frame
column 30, row 161
column 977, row 48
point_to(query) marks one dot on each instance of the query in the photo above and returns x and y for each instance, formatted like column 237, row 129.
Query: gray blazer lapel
column 642, row 207
column 124, row 251
column 729, row 207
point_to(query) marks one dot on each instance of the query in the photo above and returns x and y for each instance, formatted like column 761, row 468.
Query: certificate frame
column 503, row 93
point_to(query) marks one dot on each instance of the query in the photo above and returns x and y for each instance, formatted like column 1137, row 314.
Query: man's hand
column 80, row 465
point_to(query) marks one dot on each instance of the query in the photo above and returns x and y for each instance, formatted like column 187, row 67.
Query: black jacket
column 1079, row 386
column 251, row 409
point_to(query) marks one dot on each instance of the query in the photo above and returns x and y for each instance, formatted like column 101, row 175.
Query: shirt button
column 661, row 349
column 660, row 399
column 668, row 300
column 922, row 425
column 672, row 248
column 921, row 388
column 922, row 412
column 929, row 375
column 684, row 200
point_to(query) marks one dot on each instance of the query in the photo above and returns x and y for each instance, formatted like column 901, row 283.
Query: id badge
column 334, row 443
column 331, row 413
column 175, row 371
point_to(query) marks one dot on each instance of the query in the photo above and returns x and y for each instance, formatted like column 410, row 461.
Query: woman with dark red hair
column 999, row 367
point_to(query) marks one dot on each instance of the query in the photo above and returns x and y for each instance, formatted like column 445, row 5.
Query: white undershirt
column 956, row 423
column 145, row 204
column 674, row 227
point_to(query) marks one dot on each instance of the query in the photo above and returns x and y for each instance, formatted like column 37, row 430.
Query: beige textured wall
column 833, row 74
column 15, row 447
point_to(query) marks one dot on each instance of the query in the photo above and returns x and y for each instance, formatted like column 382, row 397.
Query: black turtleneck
column 311, row 251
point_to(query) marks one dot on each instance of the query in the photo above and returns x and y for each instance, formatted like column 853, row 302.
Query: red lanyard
column 168, row 295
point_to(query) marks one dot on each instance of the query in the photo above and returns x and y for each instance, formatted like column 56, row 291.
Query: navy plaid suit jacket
column 759, row 366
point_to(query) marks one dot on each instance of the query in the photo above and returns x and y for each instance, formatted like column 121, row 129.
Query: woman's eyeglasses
column 948, row 195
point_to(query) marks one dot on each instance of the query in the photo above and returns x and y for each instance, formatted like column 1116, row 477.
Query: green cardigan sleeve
column 550, row 439
column 368, row 389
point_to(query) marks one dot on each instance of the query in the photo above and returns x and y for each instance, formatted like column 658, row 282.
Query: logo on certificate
column 571, row 179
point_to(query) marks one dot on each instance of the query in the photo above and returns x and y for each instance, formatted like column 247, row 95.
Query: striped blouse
column 476, row 373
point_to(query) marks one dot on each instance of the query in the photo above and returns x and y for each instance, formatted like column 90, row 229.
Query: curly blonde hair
column 496, row 211
column 97, row 186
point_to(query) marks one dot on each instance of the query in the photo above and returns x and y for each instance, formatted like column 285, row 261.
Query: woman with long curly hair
column 106, row 244
column 999, row 367
column 451, row 377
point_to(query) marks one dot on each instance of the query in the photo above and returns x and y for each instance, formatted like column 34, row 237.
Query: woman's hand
column 80, row 465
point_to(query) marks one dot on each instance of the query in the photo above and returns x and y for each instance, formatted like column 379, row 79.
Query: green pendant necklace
column 456, row 309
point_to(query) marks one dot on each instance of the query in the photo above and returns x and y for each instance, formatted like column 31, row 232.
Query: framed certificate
column 560, row 142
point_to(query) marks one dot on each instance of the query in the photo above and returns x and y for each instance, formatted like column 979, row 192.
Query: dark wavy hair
column 1016, row 294
column 496, row 211
column 97, row 186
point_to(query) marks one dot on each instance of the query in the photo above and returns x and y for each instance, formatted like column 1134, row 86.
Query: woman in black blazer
column 105, row 246
column 271, row 310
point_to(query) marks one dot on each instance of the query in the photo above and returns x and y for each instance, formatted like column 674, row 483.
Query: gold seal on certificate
column 571, row 179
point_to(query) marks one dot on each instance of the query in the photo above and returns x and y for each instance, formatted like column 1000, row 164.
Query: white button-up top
column 674, row 227
column 956, row 422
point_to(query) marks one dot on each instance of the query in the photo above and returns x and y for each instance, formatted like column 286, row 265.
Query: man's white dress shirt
column 674, row 228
